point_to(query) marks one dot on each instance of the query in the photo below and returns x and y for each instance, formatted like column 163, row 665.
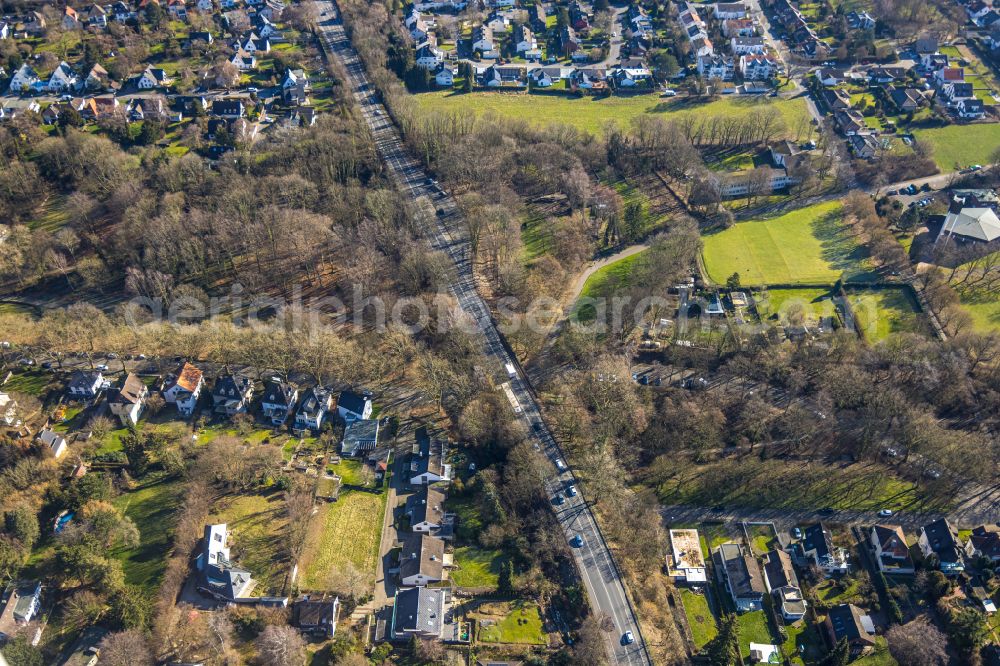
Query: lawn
column 32, row 382
column 348, row 530
column 258, row 540
column 775, row 484
column 699, row 617
column 961, row 145
column 803, row 642
column 536, row 235
column 780, row 303
column 591, row 114
column 985, row 310
column 476, row 567
column 763, row 538
column 881, row 312
column 805, row 246
column 603, row 282
column 151, row 506
column 522, row 625
column 753, row 629
column 880, row 657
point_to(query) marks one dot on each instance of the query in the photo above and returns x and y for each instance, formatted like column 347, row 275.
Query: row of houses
column 800, row 37
column 97, row 16
column 421, row 604
column 746, row 51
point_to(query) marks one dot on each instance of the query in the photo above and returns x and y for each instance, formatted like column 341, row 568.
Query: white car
column 885, row 513
column 669, row 92
column 628, row 638
column 571, row 491
column 103, row 367
column 560, row 465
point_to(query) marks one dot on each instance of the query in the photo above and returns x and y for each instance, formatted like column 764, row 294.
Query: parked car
column 558, row 500
column 796, row 533
column 560, row 465
column 885, row 513
column 669, row 92
column 571, row 491
column 103, row 367
column 24, row 360
column 892, row 193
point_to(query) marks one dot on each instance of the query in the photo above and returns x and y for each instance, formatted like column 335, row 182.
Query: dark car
column 826, row 511
column 440, row 212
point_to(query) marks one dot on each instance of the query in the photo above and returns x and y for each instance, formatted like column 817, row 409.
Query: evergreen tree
column 506, row 584
column 723, row 650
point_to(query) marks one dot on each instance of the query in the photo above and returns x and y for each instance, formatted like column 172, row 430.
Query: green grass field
column 882, row 312
column 257, row 525
column 32, row 382
column 778, row 303
column 152, row 507
column 699, row 617
column 961, row 145
column 523, row 626
column 753, row 629
column 808, row 245
column 591, row 114
column 476, row 567
column 985, row 311
column 348, row 530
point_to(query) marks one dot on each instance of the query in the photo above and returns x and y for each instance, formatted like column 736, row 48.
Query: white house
column 745, row 45
column 970, row 109
column 63, row 78
column 152, row 77
column 84, row 385
column 524, row 39
column 444, row 76
column 758, row 67
column 425, row 509
column 21, row 602
column 278, row 401
column 891, row 551
column 244, row 61
column 482, row 39
column 55, row 442
column 353, row 406
column 429, row 57
column 428, row 459
column 730, row 10
column 497, row 22
column 8, row 410
column 315, row 403
column 817, row 545
column 687, row 564
column 128, row 401
column 25, row 77
column 5, row 30
column 940, row 540
column 716, row 66
column 422, row 560
column 184, row 388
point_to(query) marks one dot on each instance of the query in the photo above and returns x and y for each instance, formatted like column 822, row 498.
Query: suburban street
column 443, row 228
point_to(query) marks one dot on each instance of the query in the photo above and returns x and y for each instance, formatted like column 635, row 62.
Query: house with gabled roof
column 985, row 542
column 737, row 569
column 152, row 77
column 85, row 384
column 219, row 576
column 940, row 540
column 425, row 509
column 360, row 436
column 428, row 460
column 891, row 551
column 850, row 623
column 295, row 86
column 278, row 401
column 63, row 78
column 818, row 548
column 783, row 584
column 232, row 394
column 55, row 442
column 24, row 78
column 228, row 108
column 970, row 108
column 183, row 388
column 128, row 400
column 418, row 612
column 71, row 20
column 313, row 408
column 352, row 406
column 20, row 604
column 422, row 560
column 317, row 616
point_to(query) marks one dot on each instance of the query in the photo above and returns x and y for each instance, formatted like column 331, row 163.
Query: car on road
column 796, row 533
column 892, row 193
column 669, row 92
column 976, row 167
column 558, row 500
column 826, row 511
column 885, row 513
column 628, row 638
column 103, row 367
column 253, row 89
column 560, row 465
column 571, row 491
column 576, row 541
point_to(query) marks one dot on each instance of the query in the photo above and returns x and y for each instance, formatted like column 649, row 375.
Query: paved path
column 440, row 219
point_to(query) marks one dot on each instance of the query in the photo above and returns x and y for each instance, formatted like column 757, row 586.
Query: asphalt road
column 596, row 566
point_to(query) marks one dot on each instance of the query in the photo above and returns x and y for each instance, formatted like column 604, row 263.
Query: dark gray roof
column 848, row 621
column 427, row 504
column 352, row 402
column 943, row 540
column 419, row 609
column 817, row 537
column 232, row 386
column 741, row 570
column 278, row 393
column 422, row 554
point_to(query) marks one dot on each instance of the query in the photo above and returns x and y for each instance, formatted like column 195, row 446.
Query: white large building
column 687, row 564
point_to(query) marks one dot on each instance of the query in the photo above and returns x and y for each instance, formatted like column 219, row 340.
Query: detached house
column 985, row 542
column 970, row 109
column 63, row 78
column 97, row 78
column 245, row 62
column 228, row 108
column 746, row 45
column 85, row 384
column 817, row 546
column 152, row 77
column 940, row 541
column 783, row 584
column 278, row 401
column 429, row 57
column 524, row 40
column 687, row 565
column 128, row 401
column 444, row 75
column 20, row 605
column 54, row 441
column 231, row 394
column 421, row 560
column 569, row 43
column 318, row 617
column 427, row 464
column 418, row 612
column 739, row 572
column 353, row 406
column 24, row 78
column 313, row 407
column 219, row 576
column 891, row 551
column 183, row 388
column 71, row 20
column 847, row 621
column 295, row 86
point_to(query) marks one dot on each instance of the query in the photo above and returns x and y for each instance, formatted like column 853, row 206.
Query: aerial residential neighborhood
column 533, row 332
